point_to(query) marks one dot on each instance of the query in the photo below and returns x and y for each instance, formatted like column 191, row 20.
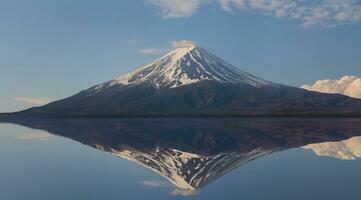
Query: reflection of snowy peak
column 185, row 66
column 188, row 171
column 349, row 149
column 193, row 152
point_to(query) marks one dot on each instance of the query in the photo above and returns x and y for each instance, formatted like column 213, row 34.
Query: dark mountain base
column 204, row 99
column 5, row 117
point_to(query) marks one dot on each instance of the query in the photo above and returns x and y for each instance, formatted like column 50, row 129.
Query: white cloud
column 168, row 47
column 307, row 12
column 31, row 101
column 176, row 8
column 347, row 85
column 34, row 136
column 151, row 51
column 182, row 43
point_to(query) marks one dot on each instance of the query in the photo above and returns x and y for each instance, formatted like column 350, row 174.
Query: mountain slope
column 185, row 66
column 192, row 82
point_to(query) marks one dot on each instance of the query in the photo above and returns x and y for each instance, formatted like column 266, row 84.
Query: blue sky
column 51, row 49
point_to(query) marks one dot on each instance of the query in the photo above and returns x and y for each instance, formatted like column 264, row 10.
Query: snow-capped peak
column 187, row 65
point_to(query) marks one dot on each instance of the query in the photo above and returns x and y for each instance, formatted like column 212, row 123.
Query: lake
column 176, row 158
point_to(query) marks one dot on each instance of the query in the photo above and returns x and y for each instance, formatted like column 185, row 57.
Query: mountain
column 191, row 81
column 191, row 153
column 185, row 66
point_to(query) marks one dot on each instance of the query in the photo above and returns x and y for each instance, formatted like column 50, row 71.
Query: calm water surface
column 180, row 159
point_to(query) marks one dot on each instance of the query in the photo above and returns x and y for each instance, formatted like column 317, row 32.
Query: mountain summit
column 190, row 81
column 184, row 66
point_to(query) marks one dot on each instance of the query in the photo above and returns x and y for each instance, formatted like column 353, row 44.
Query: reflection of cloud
column 31, row 101
column 349, row 149
column 347, row 85
column 34, row 136
column 155, row 183
column 181, row 192
column 164, row 184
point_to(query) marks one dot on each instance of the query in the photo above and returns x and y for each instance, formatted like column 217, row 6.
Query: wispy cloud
column 33, row 101
column 347, row 85
column 181, row 43
column 151, row 51
column 34, row 136
column 308, row 13
column 167, row 47
column 176, row 8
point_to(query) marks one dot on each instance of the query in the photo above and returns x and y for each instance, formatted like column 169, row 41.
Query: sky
column 51, row 49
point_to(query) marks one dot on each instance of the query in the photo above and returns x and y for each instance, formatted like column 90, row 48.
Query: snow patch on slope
column 184, row 66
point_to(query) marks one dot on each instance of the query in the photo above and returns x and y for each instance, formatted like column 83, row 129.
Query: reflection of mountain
column 188, row 171
column 349, row 149
column 193, row 152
